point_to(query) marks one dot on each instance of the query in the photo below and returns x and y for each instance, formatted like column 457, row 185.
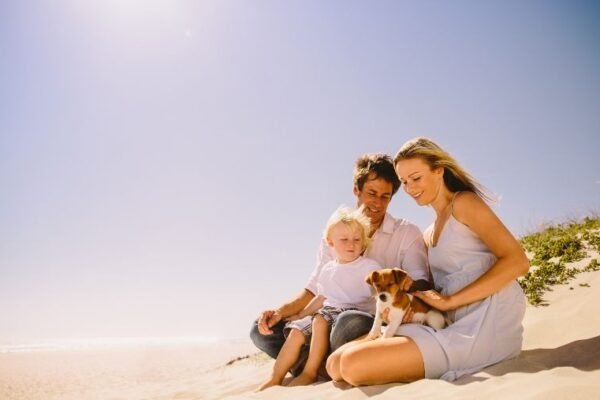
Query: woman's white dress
column 482, row 333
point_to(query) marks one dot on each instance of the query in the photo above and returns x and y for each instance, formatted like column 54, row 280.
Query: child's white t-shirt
column 344, row 286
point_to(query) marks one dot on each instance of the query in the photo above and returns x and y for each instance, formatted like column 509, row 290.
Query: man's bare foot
column 268, row 384
column 303, row 379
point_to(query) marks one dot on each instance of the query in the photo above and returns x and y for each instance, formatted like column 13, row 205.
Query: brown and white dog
column 388, row 284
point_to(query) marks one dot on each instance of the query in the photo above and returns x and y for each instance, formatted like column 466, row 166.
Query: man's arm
column 269, row 318
column 296, row 305
column 313, row 306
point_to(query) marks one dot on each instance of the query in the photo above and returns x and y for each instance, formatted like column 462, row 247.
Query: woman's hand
column 437, row 300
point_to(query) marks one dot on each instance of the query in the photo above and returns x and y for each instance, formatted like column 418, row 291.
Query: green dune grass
column 558, row 253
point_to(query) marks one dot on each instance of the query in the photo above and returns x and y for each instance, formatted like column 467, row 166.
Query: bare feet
column 268, row 384
column 303, row 379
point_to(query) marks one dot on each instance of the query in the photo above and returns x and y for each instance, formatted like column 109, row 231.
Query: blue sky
column 168, row 166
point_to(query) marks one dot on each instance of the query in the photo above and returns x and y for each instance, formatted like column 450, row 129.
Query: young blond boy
column 341, row 286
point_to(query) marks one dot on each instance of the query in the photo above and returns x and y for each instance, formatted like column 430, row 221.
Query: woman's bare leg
column 375, row 362
column 319, row 345
column 285, row 360
column 333, row 361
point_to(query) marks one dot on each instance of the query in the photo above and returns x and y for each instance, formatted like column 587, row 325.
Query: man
column 395, row 243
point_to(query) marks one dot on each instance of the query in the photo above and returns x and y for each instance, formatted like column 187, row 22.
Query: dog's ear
column 399, row 275
column 372, row 277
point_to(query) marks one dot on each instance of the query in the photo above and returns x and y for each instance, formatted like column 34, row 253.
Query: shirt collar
column 387, row 225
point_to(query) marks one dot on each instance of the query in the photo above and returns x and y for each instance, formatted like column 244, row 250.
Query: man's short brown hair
column 373, row 166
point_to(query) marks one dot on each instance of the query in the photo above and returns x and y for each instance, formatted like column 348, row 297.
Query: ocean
column 118, row 343
column 200, row 352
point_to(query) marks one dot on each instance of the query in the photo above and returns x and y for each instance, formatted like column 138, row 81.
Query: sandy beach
column 559, row 361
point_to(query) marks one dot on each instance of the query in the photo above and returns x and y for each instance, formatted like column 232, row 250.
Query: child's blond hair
column 353, row 218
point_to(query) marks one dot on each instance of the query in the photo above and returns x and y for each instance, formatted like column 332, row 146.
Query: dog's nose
column 383, row 297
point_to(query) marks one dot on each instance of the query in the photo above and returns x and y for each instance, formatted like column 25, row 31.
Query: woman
column 474, row 261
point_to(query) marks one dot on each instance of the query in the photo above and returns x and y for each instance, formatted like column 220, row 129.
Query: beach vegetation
column 553, row 252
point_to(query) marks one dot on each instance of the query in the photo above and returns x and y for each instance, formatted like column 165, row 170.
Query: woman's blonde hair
column 351, row 217
column 456, row 178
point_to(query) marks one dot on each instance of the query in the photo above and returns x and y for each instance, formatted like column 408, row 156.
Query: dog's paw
column 373, row 335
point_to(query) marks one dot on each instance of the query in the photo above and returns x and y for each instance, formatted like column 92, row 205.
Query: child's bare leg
column 288, row 355
column 319, row 345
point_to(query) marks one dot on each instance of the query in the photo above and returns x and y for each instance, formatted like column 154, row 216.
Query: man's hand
column 267, row 320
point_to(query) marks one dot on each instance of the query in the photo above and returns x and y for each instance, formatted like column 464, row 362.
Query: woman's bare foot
column 268, row 384
column 303, row 379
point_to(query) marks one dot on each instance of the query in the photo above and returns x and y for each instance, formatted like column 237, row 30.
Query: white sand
column 560, row 360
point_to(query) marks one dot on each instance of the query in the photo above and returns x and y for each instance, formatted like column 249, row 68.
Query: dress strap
column 452, row 203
